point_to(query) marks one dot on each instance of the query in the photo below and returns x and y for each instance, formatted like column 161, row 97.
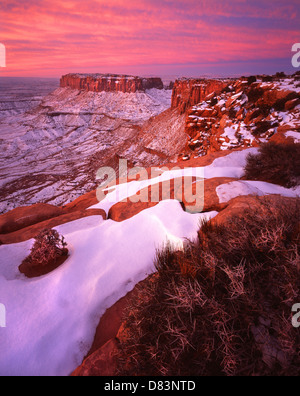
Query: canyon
column 80, row 131
column 48, row 170
column 94, row 120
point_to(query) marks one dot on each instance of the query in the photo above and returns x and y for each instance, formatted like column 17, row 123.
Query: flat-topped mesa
column 110, row 83
column 189, row 92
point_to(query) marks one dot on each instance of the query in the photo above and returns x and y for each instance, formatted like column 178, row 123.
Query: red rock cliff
column 109, row 82
column 189, row 92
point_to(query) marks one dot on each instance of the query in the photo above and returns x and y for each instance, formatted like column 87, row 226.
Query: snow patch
column 294, row 135
column 51, row 320
column 228, row 191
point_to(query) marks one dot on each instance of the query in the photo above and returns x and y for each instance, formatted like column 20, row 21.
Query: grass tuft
column 223, row 306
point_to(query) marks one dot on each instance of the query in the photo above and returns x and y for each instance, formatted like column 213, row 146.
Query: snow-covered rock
column 51, row 320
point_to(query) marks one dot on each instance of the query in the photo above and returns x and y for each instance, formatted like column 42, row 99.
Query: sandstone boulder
column 291, row 104
column 31, row 231
column 101, row 363
column 26, row 216
column 237, row 206
column 83, row 202
column 195, row 196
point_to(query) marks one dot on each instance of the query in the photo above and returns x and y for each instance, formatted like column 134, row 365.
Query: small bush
column 262, row 127
column 47, row 253
column 223, row 306
column 267, row 78
column 252, row 79
column 275, row 163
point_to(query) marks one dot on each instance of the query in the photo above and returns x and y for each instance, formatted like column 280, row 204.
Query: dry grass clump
column 223, row 306
column 48, row 252
column 275, row 163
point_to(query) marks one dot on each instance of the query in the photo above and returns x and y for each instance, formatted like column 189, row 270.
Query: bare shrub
column 48, row 252
column 275, row 163
column 229, row 315
column 263, row 126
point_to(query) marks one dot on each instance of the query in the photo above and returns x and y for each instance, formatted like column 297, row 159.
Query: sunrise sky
column 49, row 38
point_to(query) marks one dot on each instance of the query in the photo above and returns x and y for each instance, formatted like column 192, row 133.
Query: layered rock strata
column 110, row 83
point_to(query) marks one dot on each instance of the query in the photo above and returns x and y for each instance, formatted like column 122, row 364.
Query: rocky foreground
column 210, row 128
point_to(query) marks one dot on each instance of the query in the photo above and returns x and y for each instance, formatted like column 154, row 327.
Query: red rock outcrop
column 31, row 231
column 189, row 92
column 234, row 113
column 208, row 201
column 109, row 83
column 26, row 216
column 101, row 359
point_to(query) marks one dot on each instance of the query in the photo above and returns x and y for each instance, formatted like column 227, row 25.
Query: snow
column 294, row 135
column 284, row 117
column 201, row 106
column 287, row 84
column 231, row 165
column 228, row 191
column 230, row 133
column 51, row 320
column 235, row 134
column 123, row 191
column 107, row 259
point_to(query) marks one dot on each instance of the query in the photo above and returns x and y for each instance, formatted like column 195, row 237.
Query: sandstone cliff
column 221, row 119
column 189, row 92
column 109, row 83
column 222, row 115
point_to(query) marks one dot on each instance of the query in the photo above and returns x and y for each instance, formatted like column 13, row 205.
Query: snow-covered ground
column 231, row 165
column 293, row 134
column 51, row 320
column 228, row 191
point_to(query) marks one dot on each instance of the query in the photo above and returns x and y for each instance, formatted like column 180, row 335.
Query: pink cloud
column 54, row 37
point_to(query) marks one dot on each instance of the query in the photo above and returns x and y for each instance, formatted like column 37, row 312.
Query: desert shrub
column 280, row 75
column 252, row 79
column 267, row 78
column 262, row 127
column 275, row 163
column 48, row 252
column 223, row 305
column 214, row 101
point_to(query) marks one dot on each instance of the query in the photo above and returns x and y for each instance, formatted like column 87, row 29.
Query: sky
column 49, row 38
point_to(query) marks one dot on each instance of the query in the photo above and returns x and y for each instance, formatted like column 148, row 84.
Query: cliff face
column 222, row 115
column 109, row 83
column 187, row 93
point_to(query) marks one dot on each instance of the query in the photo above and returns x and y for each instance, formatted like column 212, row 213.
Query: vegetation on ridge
column 223, row 305
column 275, row 163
